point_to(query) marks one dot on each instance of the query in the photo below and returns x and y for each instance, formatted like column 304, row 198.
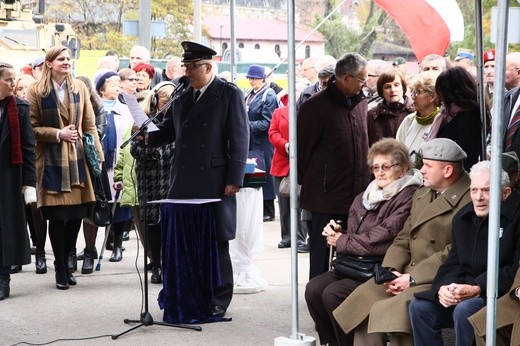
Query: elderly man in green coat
column 372, row 310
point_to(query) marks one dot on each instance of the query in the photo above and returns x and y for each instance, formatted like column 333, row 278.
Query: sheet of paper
column 137, row 113
column 187, row 201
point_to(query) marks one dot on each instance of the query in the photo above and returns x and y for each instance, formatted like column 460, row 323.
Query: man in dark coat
column 210, row 128
column 332, row 151
column 459, row 288
column 17, row 178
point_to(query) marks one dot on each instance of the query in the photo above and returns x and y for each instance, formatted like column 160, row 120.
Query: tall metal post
column 145, row 18
column 197, row 26
column 496, row 164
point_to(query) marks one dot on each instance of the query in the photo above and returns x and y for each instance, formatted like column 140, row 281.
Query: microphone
column 184, row 82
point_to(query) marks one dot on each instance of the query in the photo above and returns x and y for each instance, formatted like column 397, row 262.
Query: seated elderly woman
column 415, row 127
column 375, row 218
column 384, row 119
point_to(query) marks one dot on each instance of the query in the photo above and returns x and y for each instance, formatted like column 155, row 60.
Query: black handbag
column 100, row 213
column 359, row 268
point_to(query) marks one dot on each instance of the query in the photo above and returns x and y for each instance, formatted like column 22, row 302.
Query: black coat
column 14, row 242
column 510, row 100
column 465, row 129
column 211, row 145
column 467, row 259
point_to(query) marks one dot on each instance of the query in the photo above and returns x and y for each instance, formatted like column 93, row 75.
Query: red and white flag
column 429, row 25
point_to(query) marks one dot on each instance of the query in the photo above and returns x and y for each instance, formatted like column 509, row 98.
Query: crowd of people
column 383, row 160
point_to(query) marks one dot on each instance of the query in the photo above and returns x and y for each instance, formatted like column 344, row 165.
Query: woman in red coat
column 279, row 138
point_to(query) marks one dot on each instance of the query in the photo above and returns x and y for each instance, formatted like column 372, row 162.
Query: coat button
column 203, row 145
column 414, row 237
column 183, row 167
column 412, row 264
column 183, row 146
column 432, row 241
column 201, row 168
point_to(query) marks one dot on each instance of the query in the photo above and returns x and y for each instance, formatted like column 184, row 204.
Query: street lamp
column 221, row 52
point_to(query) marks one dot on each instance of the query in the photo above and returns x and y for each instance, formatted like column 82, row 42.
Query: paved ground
column 38, row 313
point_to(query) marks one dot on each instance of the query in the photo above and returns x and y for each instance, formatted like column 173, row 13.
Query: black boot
column 40, row 263
column 156, row 277
column 88, row 261
column 4, row 286
column 117, row 253
column 72, row 261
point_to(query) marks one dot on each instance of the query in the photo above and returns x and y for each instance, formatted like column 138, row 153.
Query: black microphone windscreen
column 184, row 80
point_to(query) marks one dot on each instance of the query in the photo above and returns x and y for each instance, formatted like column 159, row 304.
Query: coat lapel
column 206, row 101
column 443, row 203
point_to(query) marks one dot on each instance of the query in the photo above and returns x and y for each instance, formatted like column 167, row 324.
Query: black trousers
column 224, row 293
column 63, row 236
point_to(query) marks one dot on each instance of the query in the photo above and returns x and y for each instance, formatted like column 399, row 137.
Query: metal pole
column 480, row 75
column 291, row 54
column 197, row 27
column 496, row 164
column 145, row 17
column 232, row 41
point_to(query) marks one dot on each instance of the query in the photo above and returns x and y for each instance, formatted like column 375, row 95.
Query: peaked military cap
column 195, row 52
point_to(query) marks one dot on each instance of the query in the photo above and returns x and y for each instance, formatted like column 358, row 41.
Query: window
column 224, row 46
column 240, row 45
column 307, row 52
column 257, row 46
column 277, row 50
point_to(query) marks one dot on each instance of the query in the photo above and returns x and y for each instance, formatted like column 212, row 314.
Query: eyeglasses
column 417, row 92
column 362, row 81
column 385, row 167
column 191, row 67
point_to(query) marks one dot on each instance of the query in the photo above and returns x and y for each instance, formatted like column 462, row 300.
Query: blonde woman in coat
column 60, row 113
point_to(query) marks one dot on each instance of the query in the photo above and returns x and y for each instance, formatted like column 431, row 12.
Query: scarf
column 444, row 118
column 427, row 120
column 14, row 126
column 64, row 164
column 110, row 142
column 374, row 195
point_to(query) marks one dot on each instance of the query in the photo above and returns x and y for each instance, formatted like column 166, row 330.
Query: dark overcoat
column 260, row 111
column 332, row 150
column 14, row 242
column 211, row 145
column 419, row 250
column 384, row 120
column 510, row 100
column 467, row 260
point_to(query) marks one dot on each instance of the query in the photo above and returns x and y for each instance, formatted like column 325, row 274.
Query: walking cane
column 107, row 230
column 331, row 249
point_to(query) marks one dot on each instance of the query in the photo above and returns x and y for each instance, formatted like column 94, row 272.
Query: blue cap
column 464, row 55
column 37, row 62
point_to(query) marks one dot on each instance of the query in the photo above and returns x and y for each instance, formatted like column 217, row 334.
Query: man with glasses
column 210, row 127
column 332, row 151
column 372, row 310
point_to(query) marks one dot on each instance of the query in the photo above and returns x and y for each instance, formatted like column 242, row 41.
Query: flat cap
column 442, row 149
column 195, row 52
column 103, row 79
column 37, row 62
column 399, row 61
column 510, row 162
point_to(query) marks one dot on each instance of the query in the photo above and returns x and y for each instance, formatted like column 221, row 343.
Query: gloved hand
column 29, row 194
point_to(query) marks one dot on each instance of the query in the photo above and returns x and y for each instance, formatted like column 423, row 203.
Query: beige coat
column 508, row 313
column 419, row 249
column 45, row 135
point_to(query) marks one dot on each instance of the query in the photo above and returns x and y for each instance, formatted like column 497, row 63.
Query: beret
column 102, row 80
column 442, row 149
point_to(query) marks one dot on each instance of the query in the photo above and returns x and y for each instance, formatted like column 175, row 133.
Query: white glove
column 29, row 194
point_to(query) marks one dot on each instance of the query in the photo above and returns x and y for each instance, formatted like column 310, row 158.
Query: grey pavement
column 38, row 313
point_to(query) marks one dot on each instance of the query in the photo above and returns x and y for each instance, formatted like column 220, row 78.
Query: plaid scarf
column 14, row 126
column 64, row 165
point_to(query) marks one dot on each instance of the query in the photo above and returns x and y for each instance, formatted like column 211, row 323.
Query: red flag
column 423, row 25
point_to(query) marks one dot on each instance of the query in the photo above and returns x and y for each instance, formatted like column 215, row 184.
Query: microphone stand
column 146, row 318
